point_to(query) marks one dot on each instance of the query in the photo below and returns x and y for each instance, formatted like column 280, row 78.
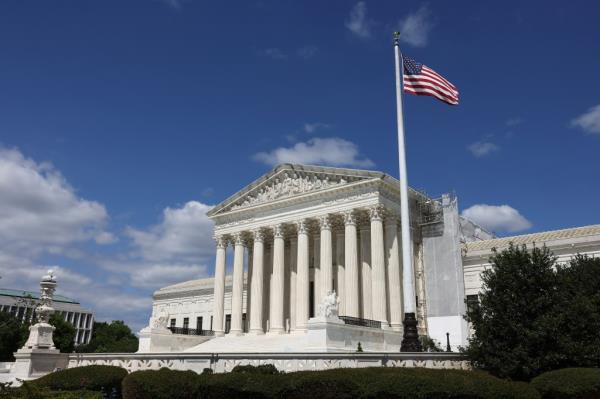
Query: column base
column 219, row 333
column 410, row 339
column 396, row 326
column 276, row 331
column 236, row 333
column 256, row 332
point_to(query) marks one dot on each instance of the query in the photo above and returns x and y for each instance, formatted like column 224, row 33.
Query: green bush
column 162, row 384
column 92, row 378
column 573, row 383
column 368, row 383
column 262, row 369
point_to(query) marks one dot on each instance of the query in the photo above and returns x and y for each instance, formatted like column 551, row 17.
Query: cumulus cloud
column 497, row 218
column 589, row 122
column 313, row 127
column 332, row 151
column 40, row 211
column 415, row 27
column 482, row 148
column 184, row 234
column 357, row 22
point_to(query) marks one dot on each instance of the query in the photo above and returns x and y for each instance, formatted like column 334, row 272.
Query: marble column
column 256, row 289
column 393, row 272
column 365, row 274
column 317, row 269
column 276, row 313
column 351, row 265
column 293, row 280
column 302, row 277
column 326, row 258
column 219, row 293
column 379, row 295
column 341, row 283
column 238, row 285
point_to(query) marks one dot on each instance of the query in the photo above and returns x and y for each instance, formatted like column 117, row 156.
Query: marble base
column 323, row 335
column 162, row 340
column 34, row 363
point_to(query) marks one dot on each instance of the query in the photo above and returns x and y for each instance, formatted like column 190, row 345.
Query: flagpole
column 410, row 339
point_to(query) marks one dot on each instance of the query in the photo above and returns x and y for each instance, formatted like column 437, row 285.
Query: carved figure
column 329, row 305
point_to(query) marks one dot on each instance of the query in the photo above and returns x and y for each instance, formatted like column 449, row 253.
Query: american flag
column 424, row 81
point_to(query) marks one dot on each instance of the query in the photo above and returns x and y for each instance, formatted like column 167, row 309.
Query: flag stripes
column 424, row 81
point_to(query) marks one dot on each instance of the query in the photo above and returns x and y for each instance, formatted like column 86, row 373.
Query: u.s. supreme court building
column 317, row 267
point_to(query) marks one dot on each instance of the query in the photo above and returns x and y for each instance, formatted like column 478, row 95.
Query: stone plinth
column 162, row 340
column 34, row 363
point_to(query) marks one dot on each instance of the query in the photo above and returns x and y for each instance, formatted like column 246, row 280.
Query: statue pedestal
column 35, row 363
column 40, row 337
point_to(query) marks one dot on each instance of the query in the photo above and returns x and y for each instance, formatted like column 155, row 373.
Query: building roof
column 540, row 238
column 33, row 295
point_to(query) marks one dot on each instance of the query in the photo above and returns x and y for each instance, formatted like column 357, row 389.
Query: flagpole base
column 410, row 340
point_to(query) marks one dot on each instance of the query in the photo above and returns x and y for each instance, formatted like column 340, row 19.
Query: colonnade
column 355, row 253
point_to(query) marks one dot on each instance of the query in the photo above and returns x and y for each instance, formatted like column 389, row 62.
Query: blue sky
column 123, row 122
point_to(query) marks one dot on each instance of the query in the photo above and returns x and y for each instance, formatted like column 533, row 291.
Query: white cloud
column 274, row 53
column 307, row 52
column 104, row 237
column 357, row 22
column 332, row 151
column 497, row 218
column 184, row 234
column 589, row 122
column 40, row 211
column 313, row 127
column 415, row 27
column 482, row 148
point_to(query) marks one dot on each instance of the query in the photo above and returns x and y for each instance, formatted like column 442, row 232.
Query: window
column 186, row 322
column 172, row 322
column 199, row 323
column 227, row 323
column 472, row 302
column 211, row 323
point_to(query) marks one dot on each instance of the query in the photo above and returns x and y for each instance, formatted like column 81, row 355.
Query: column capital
column 221, row 241
column 238, row 239
column 278, row 230
column 325, row 222
column 259, row 235
column 302, row 226
column 349, row 218
column 376, row 213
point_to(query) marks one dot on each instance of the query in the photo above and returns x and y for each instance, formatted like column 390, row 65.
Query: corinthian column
column 379, row 302
column 326, row 259
column 219, row 289
column 256, row 311
column 302, row 277
column 365, row 274
column 238, row 285
column 351, row 264
column 341, row 279
column 276, row 313
column 393, row 272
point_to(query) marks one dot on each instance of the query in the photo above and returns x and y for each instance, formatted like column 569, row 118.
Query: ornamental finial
column 396, row 38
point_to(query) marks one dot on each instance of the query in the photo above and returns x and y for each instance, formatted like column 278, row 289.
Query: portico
column 300, row 232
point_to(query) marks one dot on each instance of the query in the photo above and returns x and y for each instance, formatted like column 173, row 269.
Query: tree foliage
column 535, row 315
column 64, row 334
column 12, row 332
column 111, row 337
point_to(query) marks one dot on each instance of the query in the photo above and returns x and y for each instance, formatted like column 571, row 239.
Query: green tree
column 111, row 337
column 579, row 312
column 12, row 336
column 515, row 322
column 535, row 315
column 64, row 334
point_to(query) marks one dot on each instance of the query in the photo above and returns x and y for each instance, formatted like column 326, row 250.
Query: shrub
column 262, row 369
column 92, row 378
column 243, row 385
column 573, row 383
column 162, row 384
column 334, row 384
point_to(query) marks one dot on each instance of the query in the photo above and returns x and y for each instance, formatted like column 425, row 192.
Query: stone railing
column 287, row 362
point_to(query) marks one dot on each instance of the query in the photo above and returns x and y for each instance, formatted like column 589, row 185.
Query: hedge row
column 91, row 378
column 371, row 383
column 573, row 383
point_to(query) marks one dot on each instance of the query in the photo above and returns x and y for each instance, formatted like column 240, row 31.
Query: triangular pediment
column 287, row 181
